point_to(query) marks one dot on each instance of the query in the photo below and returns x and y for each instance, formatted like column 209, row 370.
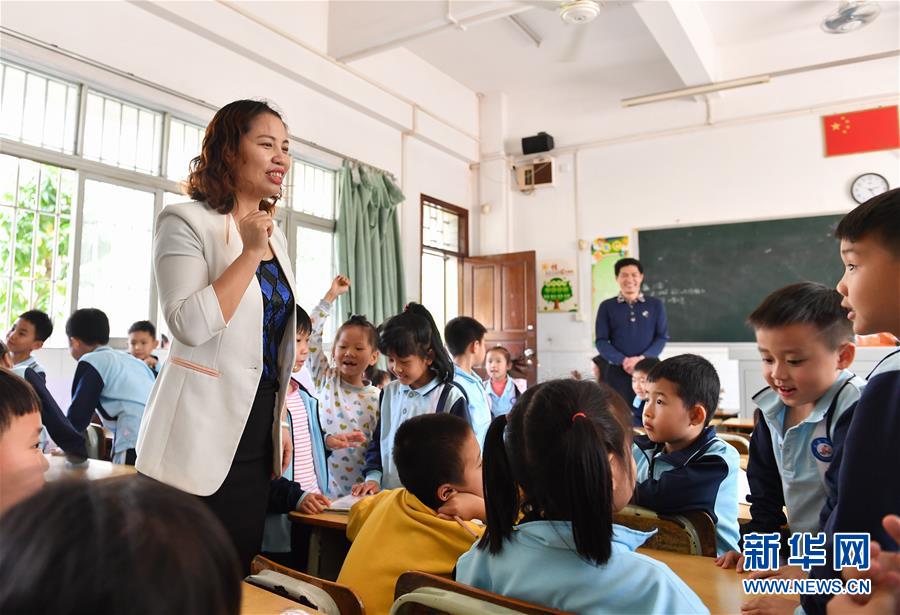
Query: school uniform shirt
column 55, row 424
column 787, row 468
column 306, row 473
column 703, row 476
column 343, row 407
column 479, row 405
column 637, row 411
column 866, row 466
column 539, row 564
column 30, row 363
column 626, row 329
column 117, row 386
column 398, row 403
column 393, row 532
column 503, row 403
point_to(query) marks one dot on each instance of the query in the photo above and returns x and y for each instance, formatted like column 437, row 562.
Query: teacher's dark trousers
column 241, row 501
column 620, row 380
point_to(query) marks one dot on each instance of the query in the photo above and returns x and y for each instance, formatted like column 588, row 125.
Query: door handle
column 529, row 328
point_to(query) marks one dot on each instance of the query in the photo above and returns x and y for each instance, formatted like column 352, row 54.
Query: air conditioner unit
column 535, row 173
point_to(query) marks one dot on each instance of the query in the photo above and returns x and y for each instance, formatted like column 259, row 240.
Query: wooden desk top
column 257, row 601
column 743, row 512
column 95, row 470
column 330, row 520
column 744, row 460
column 739, row 424
column 718, row 588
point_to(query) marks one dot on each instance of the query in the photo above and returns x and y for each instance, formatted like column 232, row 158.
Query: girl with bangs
column 417, row 357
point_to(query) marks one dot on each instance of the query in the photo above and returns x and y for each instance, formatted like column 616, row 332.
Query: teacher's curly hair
column 212, row 177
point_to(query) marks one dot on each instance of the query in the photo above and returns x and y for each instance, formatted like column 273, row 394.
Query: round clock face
column 868, row 185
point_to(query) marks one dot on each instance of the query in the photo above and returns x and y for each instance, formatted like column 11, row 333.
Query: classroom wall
column 761, row 169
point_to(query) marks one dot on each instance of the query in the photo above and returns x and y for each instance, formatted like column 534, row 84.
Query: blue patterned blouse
column 277, row 303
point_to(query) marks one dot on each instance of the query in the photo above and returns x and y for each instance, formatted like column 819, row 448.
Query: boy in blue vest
column 681, row 464
column 114, row 384
column 806, row 345
column 28, row 333
column 465, row 341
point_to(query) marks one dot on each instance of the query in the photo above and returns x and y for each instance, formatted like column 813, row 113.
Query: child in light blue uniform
column 110, row 382
column 501, row 389
column 681, row 464
column 465, row 341
column 586, row 563
column 416, row 355
column 806, row 343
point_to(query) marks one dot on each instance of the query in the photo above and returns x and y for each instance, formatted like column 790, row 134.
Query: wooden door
column 499, row 292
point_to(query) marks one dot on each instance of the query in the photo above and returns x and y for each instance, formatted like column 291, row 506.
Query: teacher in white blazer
column 212, row 426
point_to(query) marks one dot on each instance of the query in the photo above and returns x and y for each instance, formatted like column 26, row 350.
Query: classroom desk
column 743, row 512
column 328, row 544
column 718, row 588
column 744, row 460
column 95, row 470
column 741, row 425
column 258, row 601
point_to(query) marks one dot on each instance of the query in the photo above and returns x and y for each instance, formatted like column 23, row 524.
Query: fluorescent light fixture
column 695, row 90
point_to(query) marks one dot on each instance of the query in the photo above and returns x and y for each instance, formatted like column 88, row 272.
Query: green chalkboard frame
column 711, row 276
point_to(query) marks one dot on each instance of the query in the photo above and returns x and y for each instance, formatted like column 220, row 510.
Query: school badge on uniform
column 822, row 449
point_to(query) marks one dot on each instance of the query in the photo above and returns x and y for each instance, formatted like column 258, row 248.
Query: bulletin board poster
column 605, row 251
column 558, row 282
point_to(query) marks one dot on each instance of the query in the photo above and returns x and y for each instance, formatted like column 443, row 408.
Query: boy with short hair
column 114, row 384
column 806, row 345
column 22, row 464
column 639, row 384
column 28, row 333
column 681, row 464
column 870, row 250
column 465, row 341
column 423, row 526
column 142, row 342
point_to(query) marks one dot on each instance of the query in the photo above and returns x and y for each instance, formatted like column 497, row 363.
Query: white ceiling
column 621, row 52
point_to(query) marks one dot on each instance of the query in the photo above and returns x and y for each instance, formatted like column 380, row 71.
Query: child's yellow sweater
column 393, row 532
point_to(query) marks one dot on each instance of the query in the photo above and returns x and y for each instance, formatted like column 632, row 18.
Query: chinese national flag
column 861, row 131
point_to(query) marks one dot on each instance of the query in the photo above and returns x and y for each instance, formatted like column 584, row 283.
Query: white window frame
column 157, row 183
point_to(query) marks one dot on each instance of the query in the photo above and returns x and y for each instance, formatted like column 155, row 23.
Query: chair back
column 420, row 593
column 692, row 532
column 325, row 596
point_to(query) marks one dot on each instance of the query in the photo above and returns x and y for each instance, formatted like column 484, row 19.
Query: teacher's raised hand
column 255, row 229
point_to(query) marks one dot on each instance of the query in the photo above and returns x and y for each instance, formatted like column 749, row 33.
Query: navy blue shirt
column 277, row 303
column 866, row 485
column 631, row 329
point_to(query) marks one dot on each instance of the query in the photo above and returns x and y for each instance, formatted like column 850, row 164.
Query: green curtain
column 368, row 240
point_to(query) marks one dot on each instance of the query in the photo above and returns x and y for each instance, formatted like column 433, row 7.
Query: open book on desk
column 343, row 504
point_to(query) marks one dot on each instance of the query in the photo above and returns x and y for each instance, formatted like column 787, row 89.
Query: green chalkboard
column 711, row 277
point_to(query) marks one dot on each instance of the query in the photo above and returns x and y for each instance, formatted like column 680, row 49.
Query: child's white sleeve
column 319, row 365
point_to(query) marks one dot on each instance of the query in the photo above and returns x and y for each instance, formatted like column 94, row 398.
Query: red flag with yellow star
column 861, row 131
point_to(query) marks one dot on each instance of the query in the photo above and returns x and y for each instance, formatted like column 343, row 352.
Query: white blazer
column 198, row 408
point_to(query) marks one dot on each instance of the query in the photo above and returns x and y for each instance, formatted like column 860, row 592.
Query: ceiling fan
column 575, row 13
column 851, row 15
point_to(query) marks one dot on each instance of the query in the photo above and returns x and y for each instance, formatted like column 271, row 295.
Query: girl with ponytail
column 556, row 468
column 416, row 355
